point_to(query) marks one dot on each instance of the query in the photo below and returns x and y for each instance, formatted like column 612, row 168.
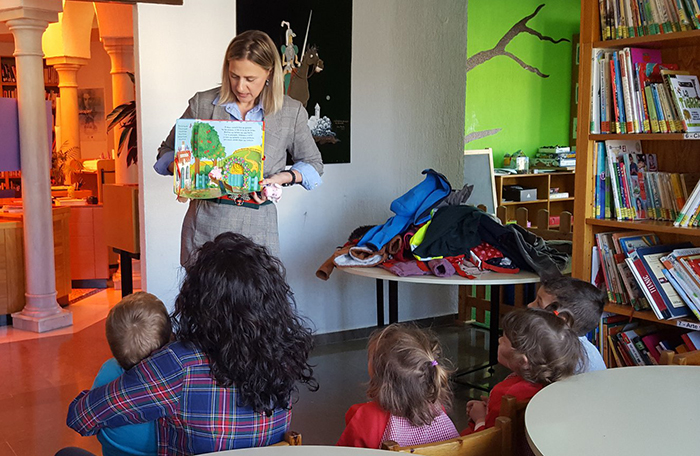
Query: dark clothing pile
column 461, row 236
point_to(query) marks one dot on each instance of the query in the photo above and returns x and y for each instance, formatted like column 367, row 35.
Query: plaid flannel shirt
column 174, row 386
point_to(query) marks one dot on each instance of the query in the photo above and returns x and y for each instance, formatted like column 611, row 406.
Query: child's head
column 136, row 326
column 582, row 299
column 407, row 377
column 540, row 345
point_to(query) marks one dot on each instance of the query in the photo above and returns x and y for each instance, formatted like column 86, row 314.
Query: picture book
column 629, row 242
column 651, row 259
column 686, row 96
column 214, row 158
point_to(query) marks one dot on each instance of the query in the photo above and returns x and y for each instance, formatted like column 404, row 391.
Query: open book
column 218, row 157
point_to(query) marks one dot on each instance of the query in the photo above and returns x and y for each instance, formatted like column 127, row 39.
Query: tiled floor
column 39, row 376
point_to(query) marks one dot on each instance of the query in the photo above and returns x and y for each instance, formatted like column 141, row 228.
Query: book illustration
column 218, row 157
column 686, row 95
column 630, row 243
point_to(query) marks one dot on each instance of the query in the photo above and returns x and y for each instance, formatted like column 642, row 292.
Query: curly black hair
column 235, row 306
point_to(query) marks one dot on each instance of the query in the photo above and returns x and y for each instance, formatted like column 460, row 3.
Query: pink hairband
column 434, row 363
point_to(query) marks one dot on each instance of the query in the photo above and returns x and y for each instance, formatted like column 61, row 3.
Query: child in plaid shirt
column 409, row 390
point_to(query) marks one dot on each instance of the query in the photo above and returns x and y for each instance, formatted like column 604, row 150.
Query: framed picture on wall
column 314, row 38
column 91, row 114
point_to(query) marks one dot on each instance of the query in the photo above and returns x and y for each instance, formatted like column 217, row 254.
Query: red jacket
column 513, row 385
column 364, row 426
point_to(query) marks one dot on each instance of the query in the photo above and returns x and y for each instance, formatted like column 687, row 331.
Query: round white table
column 648, row 410
column 495, row 279
column 302, row 450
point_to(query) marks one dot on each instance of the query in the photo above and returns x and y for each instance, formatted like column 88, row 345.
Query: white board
column 478, row 171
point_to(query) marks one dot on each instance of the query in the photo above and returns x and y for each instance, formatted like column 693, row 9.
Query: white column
column 67, row 69
column 121, row 55
column 41, row 311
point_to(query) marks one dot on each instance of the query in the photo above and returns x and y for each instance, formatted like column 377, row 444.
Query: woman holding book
column 252, row 89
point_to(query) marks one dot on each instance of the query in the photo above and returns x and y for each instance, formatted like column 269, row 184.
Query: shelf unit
column 8, row 81
column 564, row 181
column 676, row 152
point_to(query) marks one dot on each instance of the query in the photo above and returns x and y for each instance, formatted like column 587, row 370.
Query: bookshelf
column 8, row 80
column 564, row 181
column 676, row 152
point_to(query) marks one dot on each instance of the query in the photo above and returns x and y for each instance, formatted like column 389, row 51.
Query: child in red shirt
column 409, row 389
column 540, row 347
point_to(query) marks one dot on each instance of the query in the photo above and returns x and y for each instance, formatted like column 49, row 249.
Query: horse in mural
column 311, row 64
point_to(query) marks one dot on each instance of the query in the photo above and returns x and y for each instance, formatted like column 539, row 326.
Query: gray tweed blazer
column 286, row 131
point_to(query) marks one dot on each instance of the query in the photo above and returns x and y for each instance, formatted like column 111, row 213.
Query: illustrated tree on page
column 500, row 50
column 205, row 144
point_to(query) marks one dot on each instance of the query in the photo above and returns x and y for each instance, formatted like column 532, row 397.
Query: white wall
column 408, row 87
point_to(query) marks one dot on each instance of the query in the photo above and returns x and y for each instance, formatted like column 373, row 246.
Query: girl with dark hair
column 227, row 380
column 409, row 389
column 540, row 347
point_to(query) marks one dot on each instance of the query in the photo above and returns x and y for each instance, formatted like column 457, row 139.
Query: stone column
column 41, row 312
column 121, row 55
column 67, row 69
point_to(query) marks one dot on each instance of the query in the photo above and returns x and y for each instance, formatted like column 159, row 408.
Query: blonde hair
column 546, row 338
column 259, row 48
column 135, row 327
column 407, row 377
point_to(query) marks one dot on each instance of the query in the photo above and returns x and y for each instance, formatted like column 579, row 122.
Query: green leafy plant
column 124, row 116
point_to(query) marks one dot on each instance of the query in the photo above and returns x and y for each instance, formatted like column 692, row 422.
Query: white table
column 496, row 280
column 302, row 450
column 648, row 410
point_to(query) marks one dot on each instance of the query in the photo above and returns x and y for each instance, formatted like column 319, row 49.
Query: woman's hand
column 281, row 178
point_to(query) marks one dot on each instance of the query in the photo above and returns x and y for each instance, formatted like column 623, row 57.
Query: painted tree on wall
column 500, row 50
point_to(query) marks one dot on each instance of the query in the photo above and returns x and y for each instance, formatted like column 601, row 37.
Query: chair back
column 691, row 358
column 291, row 438
column 515, row 410
column 495, row 441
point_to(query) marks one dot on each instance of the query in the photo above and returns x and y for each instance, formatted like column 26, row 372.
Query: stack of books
column 637, row 270
column 629, row 343
column 629, row 186
column 554, row 158
column 632, row 91
column 627, row 18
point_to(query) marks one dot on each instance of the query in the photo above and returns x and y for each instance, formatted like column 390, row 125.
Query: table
column 492, row 278
column 647, row 410
column 302, row 450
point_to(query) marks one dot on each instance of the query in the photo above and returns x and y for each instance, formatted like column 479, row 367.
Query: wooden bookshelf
column 676, row 152
column 8, row 79
column 564, row 181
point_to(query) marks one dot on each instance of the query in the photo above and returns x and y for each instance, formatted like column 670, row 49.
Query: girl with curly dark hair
column 228, row 379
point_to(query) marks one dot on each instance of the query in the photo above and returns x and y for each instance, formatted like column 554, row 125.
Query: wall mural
column 500, row 50
column 314, row 38
column 510, row 104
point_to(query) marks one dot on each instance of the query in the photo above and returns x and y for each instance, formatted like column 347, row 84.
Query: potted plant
column 124, row 116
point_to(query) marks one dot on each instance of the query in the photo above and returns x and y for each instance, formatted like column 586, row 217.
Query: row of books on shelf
column 637, row 270
column 630, row 343
column 8, row 73
column 629, row 186
column 628, row 18
column 632, row 91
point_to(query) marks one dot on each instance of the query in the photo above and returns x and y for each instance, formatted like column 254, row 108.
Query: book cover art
column 630, row 242
column 686, row 96
column 651, row 258
column 218, row 157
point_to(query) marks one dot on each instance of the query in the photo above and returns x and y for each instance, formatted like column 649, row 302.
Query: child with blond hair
column 409, row 390
column 137, row 326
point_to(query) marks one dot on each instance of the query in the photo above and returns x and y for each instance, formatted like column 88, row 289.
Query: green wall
column 531, row 111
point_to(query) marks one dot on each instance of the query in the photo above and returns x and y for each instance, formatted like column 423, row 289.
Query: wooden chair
column 682, row 359
column 515, row 411
column 495, row 441
column 291, row 438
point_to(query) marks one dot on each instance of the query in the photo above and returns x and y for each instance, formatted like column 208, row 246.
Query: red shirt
column 364, row 426
column 514, row 385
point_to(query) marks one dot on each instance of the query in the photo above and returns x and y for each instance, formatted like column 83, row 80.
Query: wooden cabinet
column 12, row 284
column 89, row 252
column 674, row 152
column 563, row 182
